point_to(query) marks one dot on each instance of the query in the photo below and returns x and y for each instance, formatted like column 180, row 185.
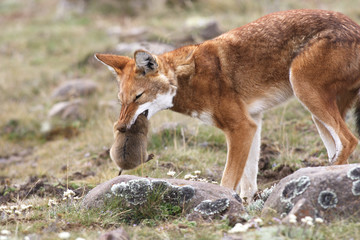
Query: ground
column 41, row 47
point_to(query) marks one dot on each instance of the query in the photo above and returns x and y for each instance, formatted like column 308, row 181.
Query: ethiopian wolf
column 231, row 80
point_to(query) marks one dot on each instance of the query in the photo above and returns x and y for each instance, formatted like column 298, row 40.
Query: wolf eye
column 138, row 96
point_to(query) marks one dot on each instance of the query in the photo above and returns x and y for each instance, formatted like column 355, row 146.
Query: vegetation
column 41, row 47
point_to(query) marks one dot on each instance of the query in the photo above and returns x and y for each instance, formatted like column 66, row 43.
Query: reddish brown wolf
column 230, row 80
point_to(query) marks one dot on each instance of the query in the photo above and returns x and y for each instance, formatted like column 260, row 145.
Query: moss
column 209, row 207
column 327, row 199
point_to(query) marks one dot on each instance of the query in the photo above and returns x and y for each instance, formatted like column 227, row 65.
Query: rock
column 325, row 192
column 153, row 47
column 117, row 234
column 134, row 32
column 73, row 89
column 206, row 28
column 66, row 8
column 204, row 199
column 68, row 110
column 210, row 30
column 301, row 209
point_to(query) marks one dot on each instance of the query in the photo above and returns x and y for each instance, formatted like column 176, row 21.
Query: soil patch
column 268, row 174
column 36, row 186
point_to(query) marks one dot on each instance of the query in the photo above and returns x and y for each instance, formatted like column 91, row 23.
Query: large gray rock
column 73, row 89
column 200, row 198
column 326, row 192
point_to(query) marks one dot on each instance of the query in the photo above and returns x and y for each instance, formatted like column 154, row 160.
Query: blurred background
column 57, row 104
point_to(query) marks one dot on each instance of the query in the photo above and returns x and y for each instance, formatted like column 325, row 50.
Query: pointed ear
column 145, row 61
column 113, row 62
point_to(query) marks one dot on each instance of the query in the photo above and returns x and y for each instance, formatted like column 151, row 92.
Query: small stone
column 5, row 232
column 64, row 235
column 239, row 228
column 74, row 89
column 117, row 234
column 68, row 110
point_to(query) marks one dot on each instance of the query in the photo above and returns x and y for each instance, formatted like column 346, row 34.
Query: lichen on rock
column 119, row 189
column 327, row 199
column 135, row 191
column 354, row 173
column 179, row 195
column 160, row 185
column 292, row 189
column 295, row 187
column 208, row 207
column 356, row 188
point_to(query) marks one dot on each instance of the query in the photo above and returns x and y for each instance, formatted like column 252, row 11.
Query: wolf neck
column 190, row 84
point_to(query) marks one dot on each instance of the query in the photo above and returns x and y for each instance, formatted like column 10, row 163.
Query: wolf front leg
column 239, row 141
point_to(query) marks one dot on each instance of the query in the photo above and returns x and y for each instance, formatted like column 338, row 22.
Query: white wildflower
column 14, row 207
column 310, row 223
column 307, row 221
column 77, row 198
column 5, row 232
column 292, row 218
column 214, row 182
column 52, row 203
column 197, row 172
column 64, row 235
column 17, row 213
column 24, row 207
column 3, row 237
column 80, row 238
column 3, row 208
column 171, row 173
column 258, row 221
column 8, row 211
column 202, row 180
column 239, row 228
column 319, row 220
column 189, row 176
column 69, row 193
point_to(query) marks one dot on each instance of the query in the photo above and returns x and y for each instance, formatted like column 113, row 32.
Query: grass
column 39, row 51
